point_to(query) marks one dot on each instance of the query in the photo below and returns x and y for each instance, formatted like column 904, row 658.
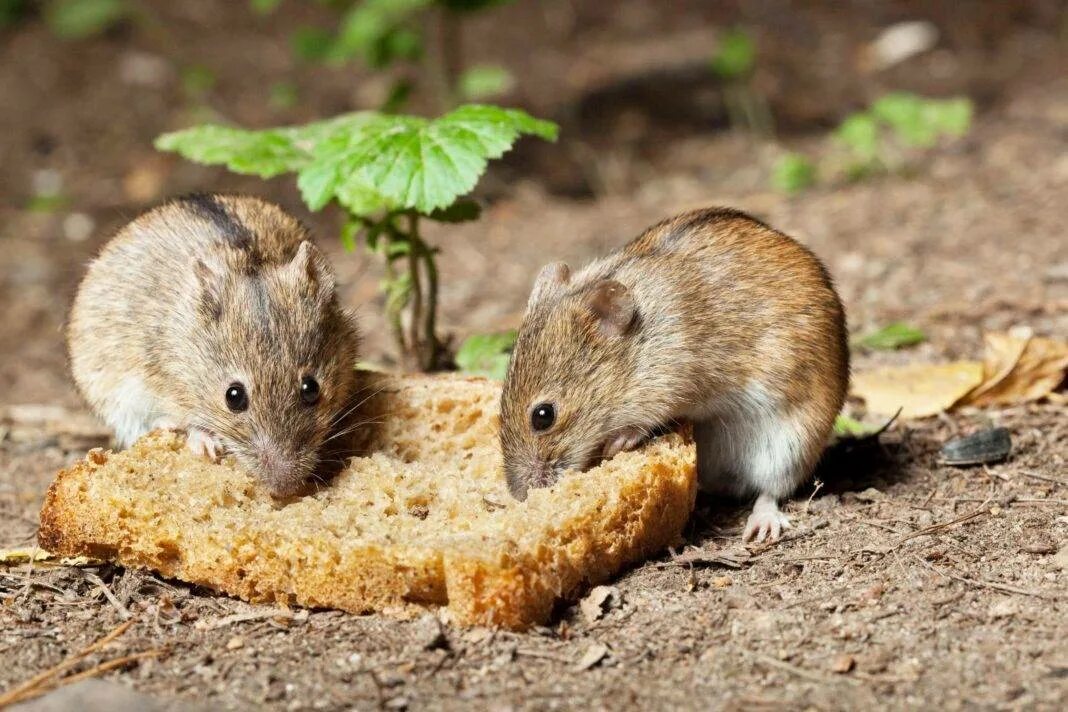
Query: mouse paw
column 626, row 439
column 166, row 423
column 203, row 444
column 766, row 522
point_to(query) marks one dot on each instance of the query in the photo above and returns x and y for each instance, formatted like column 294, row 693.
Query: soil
column 903, row 582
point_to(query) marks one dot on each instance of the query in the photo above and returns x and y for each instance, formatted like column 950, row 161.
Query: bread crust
column 423, row 520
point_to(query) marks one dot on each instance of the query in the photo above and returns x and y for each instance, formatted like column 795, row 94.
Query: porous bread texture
column 424, row 519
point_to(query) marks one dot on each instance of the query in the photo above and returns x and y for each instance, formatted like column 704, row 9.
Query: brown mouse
column 217, row 315
column 710, row 317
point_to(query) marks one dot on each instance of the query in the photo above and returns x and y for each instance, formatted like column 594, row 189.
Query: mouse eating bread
column 421, row 518
column 217, row 315
column 710, row 317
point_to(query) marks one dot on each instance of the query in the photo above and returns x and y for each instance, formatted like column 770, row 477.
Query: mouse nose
column 279, row 470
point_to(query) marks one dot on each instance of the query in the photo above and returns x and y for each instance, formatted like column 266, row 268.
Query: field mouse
column 710, row 317
column 217, row 315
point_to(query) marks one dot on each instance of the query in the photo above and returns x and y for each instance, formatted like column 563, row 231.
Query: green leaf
column 77, row 19
column 892, row 336
column 262, row 153
column 349, row 231
column 860, row 132
column 793, row 173
column 486, row 354
column 369, row 161
column 844, row 426
column 485, row 82
column 735, row 55
column 366, row 32
column 460, row 211
column 412, row 162
column 952, row 117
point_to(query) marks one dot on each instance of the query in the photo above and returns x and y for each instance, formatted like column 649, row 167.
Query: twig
column 1035, row 475
column 109, row 665
column 27, row 688
column 941, row 526
column 99, row 583
column 1005, row 588
column 799, row 671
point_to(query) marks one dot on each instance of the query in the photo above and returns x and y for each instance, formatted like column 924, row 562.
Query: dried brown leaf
column 1019, row 369
column 918, row 390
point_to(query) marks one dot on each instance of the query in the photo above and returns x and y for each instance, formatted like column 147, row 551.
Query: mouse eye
column 309, row 390
column 543, row 416
column 236, row 397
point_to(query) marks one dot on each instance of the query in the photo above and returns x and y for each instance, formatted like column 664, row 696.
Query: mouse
column 710, row 317
column 217, row 315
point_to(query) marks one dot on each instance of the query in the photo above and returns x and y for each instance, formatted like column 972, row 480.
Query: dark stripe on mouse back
column 210, row 208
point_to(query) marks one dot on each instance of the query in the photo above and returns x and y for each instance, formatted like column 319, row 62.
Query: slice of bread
column 424, row 519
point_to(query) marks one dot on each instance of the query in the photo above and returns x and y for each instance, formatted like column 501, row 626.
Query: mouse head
column 277, row 361
column 568, row 379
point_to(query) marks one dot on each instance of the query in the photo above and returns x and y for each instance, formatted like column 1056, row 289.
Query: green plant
column 892, row 336
column 389, row 173
column 382, row 33
column 845, row 426
column 734, row 62
column 486, row 354
column 874, row 139
column 77, row 19
column 793, row 173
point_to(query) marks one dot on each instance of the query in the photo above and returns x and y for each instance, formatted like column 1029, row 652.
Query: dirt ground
column 904, row 583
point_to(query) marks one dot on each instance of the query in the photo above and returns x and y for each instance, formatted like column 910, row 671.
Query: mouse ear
column 210, row 282
column 551, row 278
column 310, row 271
column 612, row 304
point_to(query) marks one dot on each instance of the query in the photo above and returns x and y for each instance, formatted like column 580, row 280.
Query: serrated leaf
column 415, row 163
column 486, row 354
column 892, row 336
column 262, row 153
column 460, row 211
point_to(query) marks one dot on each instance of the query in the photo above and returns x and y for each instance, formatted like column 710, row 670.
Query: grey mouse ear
column 612, row 305
column 210, row 283
column 550, row 279
column 310, row 271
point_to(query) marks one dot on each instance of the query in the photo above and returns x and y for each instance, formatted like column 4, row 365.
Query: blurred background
column 917, row 147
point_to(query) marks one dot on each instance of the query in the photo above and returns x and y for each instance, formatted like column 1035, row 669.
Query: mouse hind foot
column 766, row 521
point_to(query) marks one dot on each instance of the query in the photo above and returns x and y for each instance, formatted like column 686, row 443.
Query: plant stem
column 423, row 251
column 393, row 310
column 450, row 53
column 416, row 337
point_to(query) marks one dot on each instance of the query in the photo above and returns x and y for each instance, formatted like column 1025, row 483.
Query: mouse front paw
column 626, row 439
column 203, row 444
column 766, row 522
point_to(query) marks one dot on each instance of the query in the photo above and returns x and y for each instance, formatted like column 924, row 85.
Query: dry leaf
column 594, row 654
column 1019, row 369
column 919, row 390
column 595, row 603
